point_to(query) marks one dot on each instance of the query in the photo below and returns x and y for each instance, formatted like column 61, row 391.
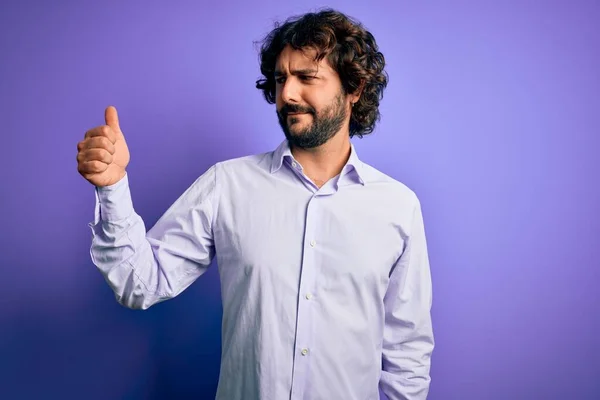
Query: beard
column 324, row 125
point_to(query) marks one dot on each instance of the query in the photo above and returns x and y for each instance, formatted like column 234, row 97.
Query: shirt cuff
column 113, row 203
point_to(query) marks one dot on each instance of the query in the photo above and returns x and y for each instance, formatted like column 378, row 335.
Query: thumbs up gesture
column 102, row 155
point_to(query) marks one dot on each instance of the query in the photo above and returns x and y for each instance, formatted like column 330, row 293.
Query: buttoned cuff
column 113, row 203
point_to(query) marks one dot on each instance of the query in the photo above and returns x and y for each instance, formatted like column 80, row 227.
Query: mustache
column 291, row 108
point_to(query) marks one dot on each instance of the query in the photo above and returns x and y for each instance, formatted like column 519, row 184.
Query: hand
column 102, row 155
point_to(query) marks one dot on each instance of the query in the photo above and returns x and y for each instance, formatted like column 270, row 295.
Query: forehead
column 290, row 60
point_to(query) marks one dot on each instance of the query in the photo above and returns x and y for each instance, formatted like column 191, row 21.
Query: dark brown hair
column 350, row 49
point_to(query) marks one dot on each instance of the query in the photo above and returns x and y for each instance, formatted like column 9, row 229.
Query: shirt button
column 304, row 352
column 312, row 243
column 294, row 164
column 308, row 296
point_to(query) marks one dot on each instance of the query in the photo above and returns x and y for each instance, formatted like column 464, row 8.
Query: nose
column 290, row 91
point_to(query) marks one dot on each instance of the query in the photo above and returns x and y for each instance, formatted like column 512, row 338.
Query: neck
column 322, row 163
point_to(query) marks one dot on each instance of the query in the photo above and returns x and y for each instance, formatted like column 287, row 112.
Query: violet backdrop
column 491, row 116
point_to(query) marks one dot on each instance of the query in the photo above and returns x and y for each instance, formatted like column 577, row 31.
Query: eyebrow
column 307, row 71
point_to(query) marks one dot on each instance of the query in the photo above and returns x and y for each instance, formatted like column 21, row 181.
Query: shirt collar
column 353, row 169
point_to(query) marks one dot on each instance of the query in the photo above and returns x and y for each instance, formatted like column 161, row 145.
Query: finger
column 103, row 130
column 92, row 167
column 111, row 117
column 96, row 142
column 95, row 155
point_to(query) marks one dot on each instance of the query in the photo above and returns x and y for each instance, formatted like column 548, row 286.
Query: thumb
column 112, row 118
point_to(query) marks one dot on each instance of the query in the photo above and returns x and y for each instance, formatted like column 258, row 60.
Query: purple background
column 491, row 116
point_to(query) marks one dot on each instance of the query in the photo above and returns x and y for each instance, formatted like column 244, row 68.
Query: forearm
column 125, row 259
column 408, row 340
column 405, row 371
column 141, row 267
column 119, row 247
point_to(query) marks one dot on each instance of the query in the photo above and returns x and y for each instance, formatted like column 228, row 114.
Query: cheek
column 317, row 102
column 277, row 96
column 278, row 100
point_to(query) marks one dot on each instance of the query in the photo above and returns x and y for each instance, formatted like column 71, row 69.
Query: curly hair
column 351, row 51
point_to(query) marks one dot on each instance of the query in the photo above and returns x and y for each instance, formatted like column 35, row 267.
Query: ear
column 354, row 97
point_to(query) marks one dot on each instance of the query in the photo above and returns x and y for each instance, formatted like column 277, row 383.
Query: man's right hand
column 102, row 155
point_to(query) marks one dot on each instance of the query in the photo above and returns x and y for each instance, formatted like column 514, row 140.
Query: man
column 323, row 261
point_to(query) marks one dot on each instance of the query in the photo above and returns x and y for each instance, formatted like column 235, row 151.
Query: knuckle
column 106, row 144
column 108, row 133
column 101, row 167
column 92, row 132
column 96, row 154
column 94, row 166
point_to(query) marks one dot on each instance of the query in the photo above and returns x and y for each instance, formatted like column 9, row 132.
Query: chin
column 296, row 126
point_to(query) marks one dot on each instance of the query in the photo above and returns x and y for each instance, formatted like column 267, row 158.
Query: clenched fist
column 102, row 155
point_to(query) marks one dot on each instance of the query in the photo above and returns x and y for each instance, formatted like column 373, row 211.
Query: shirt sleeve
column 408, row 336
column 143, row 267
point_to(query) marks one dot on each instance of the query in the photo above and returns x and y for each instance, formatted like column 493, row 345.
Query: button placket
column 304, row 329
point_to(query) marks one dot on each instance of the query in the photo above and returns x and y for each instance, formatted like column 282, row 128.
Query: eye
column 307, row 77
column 280, row 80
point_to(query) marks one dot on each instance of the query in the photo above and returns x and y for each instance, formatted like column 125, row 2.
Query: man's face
column 311, row 105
